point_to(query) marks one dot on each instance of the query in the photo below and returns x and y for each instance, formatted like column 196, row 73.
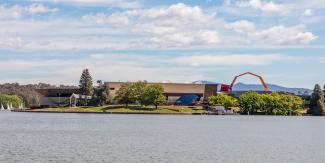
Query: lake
column 55, row 137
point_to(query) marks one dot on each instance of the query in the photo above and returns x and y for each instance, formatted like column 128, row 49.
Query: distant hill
column 258, row 87
column 272, row 87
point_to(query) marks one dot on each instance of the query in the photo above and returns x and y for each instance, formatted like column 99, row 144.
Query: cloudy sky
column 177, row 40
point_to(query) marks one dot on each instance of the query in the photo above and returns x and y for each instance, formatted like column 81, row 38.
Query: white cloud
column 241, row 26
column 308, row 12
column 217, row 60
column 276, row 35
column 17, row 11
column 282, row 35
column 176, row 25
column 264, row 6
column 174, row 14
column 127, row 67
column 112, row 67
column 39, row 8
column 10, row 12
column 11, row 42
column 107, row 3
column 186, row 39
column 114, row 19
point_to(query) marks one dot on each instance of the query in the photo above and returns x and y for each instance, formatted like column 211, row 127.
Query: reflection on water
column 39, row 138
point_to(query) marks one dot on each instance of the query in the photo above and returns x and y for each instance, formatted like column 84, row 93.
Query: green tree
column 270, row 102
column 124, row 95
column 290, row 104
column 153, row 95
column 223, row 100
column 316, row 106
column 249, row 102
column 101, row 94
column 13, row 100
column 274, row 103
column 86, row 83
column 137, row 89
column 27, row 93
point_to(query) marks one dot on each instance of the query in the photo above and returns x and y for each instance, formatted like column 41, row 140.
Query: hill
column 272, row 87
column 258, row 87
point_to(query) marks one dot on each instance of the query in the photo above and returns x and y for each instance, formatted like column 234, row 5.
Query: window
column 111, row 88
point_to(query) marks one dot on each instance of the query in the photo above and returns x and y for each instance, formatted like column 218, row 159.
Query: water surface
column 41, row 137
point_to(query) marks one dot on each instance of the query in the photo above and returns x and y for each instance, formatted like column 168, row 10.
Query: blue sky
column 180, row 41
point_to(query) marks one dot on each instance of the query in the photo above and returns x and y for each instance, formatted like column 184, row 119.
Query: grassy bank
column 130, row 109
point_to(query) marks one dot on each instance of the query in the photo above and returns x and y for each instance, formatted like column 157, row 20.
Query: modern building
column 174, row 91
column 56, row 97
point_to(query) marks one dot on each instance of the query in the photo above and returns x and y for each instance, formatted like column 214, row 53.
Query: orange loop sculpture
column 249, row 73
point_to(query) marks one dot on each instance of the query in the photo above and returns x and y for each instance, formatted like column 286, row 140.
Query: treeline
column 268, row 104
column 27, row 92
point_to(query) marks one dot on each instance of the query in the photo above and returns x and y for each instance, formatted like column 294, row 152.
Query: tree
column 124, row 94
column 249, row 102
column 101, row 94
column 153, row 95
column 13, row 100
column 316, row 106
column 137, row 90
column 86, row 83
column 269, row 102
column 223, row 100
column 27, row 93
column 290, row 104
column 274, row 103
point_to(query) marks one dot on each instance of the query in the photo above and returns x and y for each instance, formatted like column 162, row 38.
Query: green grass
column 130, row 109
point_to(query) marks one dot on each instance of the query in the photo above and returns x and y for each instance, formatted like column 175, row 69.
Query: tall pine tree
column 317, row 101
column 86, row 83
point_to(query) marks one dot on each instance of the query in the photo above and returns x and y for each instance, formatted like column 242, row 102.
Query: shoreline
column 149, row 113
column 153, row 113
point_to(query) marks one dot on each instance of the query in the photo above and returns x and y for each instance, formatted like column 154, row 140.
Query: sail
column 8, row 107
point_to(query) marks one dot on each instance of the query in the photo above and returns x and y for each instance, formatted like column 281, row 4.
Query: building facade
column 60, row 97
column 174, row 91
column 56, row 97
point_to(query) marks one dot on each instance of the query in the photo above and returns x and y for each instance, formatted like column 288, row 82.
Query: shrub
column 223, row 100
column 250, row 102
column 274, row 103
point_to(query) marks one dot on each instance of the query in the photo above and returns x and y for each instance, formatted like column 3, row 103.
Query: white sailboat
column 8, row 107
column 2, row 108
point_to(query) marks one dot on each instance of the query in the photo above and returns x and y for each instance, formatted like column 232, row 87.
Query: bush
column 274, row 103
column 223, row 100
column 250, row 102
